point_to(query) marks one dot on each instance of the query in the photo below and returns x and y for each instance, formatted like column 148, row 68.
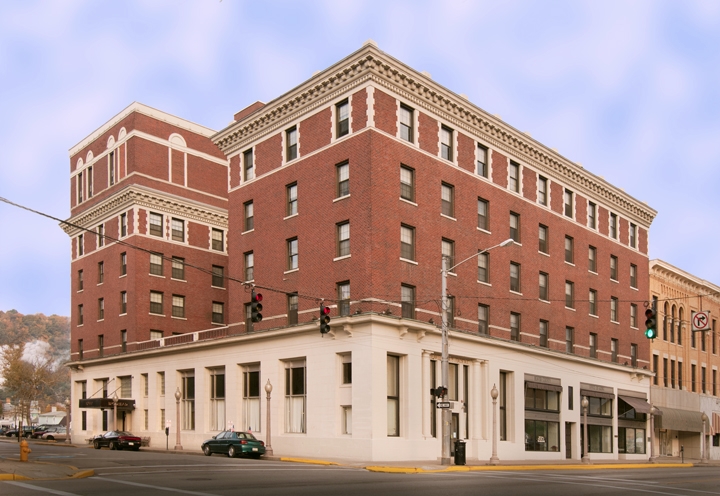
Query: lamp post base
column 445, row 461
column 585, row 459
column 494, row 460
column 178, row 447
column 268, row 452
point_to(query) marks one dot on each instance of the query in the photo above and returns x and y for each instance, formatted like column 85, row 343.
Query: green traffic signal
column 650, row 323
column 651, row 333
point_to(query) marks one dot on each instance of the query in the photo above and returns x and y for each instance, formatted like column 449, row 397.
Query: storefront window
column 541, row 435
column 631, row 440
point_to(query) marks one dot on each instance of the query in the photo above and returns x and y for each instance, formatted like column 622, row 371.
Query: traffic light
column 439, row 391
column 651, row 323
column 255, row 307
column 324, row 319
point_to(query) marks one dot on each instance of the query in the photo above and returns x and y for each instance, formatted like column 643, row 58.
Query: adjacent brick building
column 347, row 191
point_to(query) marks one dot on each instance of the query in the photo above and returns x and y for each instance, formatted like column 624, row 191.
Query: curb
column 307, row 460
column 508, row 468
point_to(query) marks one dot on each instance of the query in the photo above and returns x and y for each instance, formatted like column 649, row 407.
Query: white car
column 58, row 434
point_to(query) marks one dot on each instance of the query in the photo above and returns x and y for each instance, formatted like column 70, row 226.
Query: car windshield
column 249, row 435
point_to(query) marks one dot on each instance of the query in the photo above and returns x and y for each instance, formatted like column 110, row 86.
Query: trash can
column 459, row 452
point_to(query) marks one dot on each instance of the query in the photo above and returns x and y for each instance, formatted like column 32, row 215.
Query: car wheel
column 113, row 445
column 207, row 451
column 50, row 438
column 96, row 444
column 28, row 435
column 231, row 452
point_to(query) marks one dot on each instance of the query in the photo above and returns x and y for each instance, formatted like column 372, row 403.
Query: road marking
column 223, row 470
column 43, row 489
column 161, row 488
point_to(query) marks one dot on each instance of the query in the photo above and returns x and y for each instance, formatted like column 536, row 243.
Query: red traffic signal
column 324, row 319
column 256, row 307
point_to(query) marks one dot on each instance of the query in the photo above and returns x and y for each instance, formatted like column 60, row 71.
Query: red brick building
column 348, row 190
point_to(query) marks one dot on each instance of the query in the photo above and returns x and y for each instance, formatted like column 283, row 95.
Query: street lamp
column 268, row 390
column 445, row 368
column 494, row 460
column 178, row 395
column 653, row 411
column 704, row 458
column 68, row 423
column 585, row 457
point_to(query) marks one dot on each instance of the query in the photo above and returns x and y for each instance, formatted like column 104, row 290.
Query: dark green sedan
column 233, row 444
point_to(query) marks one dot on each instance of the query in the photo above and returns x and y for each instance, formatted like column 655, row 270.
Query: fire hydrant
column 24, row 450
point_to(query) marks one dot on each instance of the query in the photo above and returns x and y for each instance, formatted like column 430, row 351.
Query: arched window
column 681, row 315
column 666, row 311
column 672, row 324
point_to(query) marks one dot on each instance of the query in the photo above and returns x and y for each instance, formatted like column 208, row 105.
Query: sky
column 629, row 89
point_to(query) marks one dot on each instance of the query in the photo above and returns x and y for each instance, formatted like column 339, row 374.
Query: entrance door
column 568, row 440
column 664, row 443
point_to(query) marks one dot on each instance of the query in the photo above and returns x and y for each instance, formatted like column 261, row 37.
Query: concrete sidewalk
column 12, row 469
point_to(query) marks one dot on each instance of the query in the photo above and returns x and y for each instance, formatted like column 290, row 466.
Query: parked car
column 26, row 432
column 42, row 429
column 117, row 440
column 233, row 443
column 55, row 434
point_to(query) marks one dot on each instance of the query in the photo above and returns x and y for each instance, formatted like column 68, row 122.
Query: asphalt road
column 123, row 473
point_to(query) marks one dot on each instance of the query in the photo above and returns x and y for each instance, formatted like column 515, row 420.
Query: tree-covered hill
column 16, row 328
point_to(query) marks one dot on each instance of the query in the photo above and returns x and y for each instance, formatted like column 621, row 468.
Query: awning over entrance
column 639, row 404
column 107, row 403
column 542, row 385
column 597, row 394
column 679, row 420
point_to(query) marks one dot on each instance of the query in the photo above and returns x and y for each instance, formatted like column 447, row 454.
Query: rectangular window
column 483, row 318
column 249, row 266
column 178, row 229
column 147, row 418
column 123, row 225
column 343, row 179
column 569, row 207
column 218, row 312
column 343, row 295
column 292, row 251
column 613, row 267
column 543, row 332
column 292, row 201
column 156, row 224
column 633, row 235
column 123, row 302
column 218, row 276
column 483, row 267
column 482, row 161
column 80, row 280
column 218, row 240
column 80, row 316
column 162, row 419
column 515, row 277
column 483, row 209
column 633, row 315
column 672, row 374
column 188, row 400
column 614, row 350
column 249, row 216
column 613, row 309
column 123, row 341
column 342, row 114
column 101, row 347
column 156, row 302
column 569, row 250
column 631, row 440
column 80, row 187
column 592, row 302
column 514, row 177
column 448, row 252
column 543, row 284
column 593, row 345
column 156, row 264
column 714, row 382
column 407, row 183
column 655, row 360
column 347, row 419
column 407, row 242
column 515, row 227
column 101, row 272
column 111, row 167
column 101, row 308
column 514, row 326
column 343, row 239
column 693, row 376
column 248, row 317
column 101, row 235
column 291, row 144
column 569, row 294
column 406, row 123
column 542, row 184
column 123, row 264
column 90, row 181
column 178, row 268
column 543, row 245
column 125, row 386
column 613, row 226
column 447, row 195
column 407, row 298
column 393, row 396
column 251, row 398
column 592, row 259
column 161, row 384
column 178, row 306
column 633, row 276
column 592, row 215
column 292, row 302
column 295, row 397
column 446, row 143
column 502, row 405
column 81, row 245
column 569, row 340
column 450, row 311
column 666, row 374
column 249, row 165
column 541, row 435
column 703, row 383
column 633, row 354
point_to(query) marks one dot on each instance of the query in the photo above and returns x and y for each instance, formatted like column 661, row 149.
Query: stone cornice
column 372, row 65
column 693, row 285
column 149, row 198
